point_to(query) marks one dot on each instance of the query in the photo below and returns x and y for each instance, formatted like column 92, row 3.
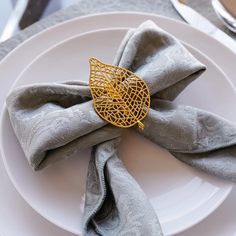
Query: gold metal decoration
column 120, row 97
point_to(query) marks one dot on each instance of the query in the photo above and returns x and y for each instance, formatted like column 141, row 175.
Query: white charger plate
column 16, row 61
column 57, row 192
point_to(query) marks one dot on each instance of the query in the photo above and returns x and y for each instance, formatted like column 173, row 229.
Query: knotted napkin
column 53, row 120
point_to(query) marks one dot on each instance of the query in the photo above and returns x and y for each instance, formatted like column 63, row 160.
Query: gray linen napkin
column 53, row 120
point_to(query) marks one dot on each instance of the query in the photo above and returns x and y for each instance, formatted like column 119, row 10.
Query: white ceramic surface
column 21, row 56
column 220, row 223
column 57, row 192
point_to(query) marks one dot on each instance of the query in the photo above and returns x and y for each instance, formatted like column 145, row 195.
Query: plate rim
column 58, row 45
column 102, row 14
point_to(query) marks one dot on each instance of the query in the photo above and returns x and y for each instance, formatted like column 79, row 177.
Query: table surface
column 15, row 212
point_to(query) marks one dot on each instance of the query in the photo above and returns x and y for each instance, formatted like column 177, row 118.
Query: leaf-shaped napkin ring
column 119, row 96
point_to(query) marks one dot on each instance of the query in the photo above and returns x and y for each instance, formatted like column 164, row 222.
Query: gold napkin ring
column 119, row 96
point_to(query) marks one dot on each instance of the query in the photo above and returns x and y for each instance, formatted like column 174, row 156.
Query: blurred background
column 8, row 8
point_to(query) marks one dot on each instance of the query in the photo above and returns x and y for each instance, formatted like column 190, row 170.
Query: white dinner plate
column 16, row 61
column 57, row 192
column 21, row 56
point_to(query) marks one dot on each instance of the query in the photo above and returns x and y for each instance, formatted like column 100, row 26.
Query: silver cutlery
column 14, row 19
column 25, row 13
column 203, row 24
column 227, row 19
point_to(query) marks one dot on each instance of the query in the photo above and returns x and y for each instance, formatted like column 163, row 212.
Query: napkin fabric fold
column 51, row 121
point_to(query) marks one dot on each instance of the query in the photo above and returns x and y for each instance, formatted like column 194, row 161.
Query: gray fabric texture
column 51, row 121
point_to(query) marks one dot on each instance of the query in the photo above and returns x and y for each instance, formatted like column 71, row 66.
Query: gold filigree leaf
column 120, row 97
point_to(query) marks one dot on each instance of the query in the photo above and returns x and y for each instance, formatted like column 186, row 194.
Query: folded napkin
column 51, row 121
